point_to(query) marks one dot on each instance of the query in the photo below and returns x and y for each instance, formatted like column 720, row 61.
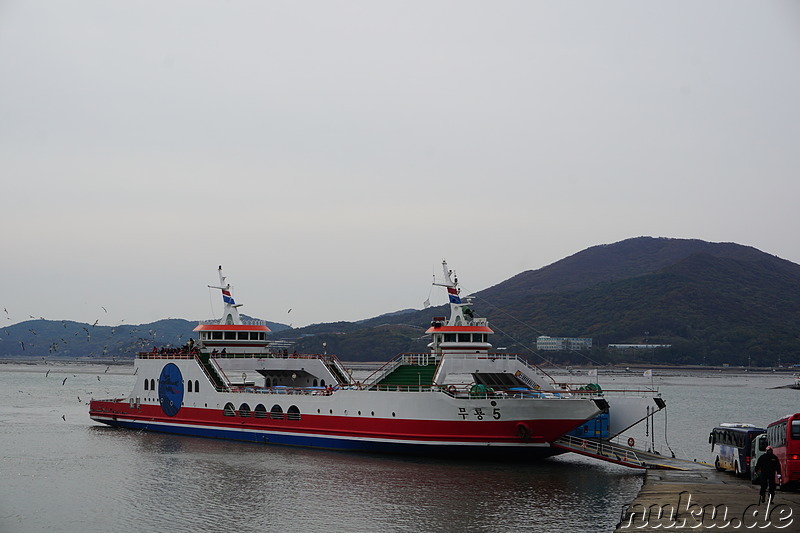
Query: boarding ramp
column 624, row 455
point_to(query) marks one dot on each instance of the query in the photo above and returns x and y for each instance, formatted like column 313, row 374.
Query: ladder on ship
column 204, row 359
column 624, row 455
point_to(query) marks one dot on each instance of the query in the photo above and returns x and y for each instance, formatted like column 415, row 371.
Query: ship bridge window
column 256, row 335
column 230, row 335
column 216, row 335
column 463, row 337
column 243, row 336
column 276, row 413
column 449, row 337
column 229, row 410
column 244, row 410
column 260, row 411
column 293, row 413
column 479, row 337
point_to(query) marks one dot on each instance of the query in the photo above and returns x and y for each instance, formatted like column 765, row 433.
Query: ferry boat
column 457, row 399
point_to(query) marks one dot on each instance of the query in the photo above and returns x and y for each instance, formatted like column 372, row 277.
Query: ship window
column 315, row 382
column 196, row 386
column 228, row 410
column 243, row 335
column 253, row 335
column 276, row 413
column 189, row 385
column 322, row 383
column 260, row 412
column 230, row 335
column 262, row 336
column 244, row 410
column 449, row 337
column 463, row 337
column 293, row 413
column 147, row 384
column 152, row 384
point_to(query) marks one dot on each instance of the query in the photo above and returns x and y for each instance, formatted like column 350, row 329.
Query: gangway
column 625, row 456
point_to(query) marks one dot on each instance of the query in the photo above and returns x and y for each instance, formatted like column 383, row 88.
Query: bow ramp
column 624, row 455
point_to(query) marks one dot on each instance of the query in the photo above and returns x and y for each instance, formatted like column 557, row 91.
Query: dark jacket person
column 767, row 467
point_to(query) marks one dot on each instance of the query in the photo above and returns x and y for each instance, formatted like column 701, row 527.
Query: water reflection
column 251, row 487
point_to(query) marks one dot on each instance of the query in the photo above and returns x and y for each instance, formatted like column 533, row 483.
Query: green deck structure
column 410, row 376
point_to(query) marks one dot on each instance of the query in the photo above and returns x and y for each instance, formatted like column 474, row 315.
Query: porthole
column 392, row 414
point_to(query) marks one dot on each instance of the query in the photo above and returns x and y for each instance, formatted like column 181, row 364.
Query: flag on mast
column 593, row 372
column 648, row 373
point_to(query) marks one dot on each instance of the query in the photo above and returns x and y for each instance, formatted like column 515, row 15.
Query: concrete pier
column 703, row 499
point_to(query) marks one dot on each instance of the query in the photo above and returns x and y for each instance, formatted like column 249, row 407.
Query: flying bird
column 64, row 418
column 48, row 373
column 104, row 309
column 65, row 380
column 95, row 323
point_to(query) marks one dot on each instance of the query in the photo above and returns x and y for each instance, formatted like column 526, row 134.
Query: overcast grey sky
column 329, row 154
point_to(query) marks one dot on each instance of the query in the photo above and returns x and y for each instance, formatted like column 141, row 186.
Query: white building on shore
column 559, row 344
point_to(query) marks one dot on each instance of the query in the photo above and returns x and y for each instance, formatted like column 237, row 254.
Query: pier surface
column 702, row 499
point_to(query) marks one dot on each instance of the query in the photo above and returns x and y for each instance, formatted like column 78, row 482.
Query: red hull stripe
column 349, row 427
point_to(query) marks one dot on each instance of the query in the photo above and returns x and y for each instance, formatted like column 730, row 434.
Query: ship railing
column 601, row 449
column 269, row 355
column 182, row 354
column 249, row 322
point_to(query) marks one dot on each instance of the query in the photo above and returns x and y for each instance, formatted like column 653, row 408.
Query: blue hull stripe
column 483, row 450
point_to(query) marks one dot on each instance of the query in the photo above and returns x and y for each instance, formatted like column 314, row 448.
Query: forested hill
column 713, row 303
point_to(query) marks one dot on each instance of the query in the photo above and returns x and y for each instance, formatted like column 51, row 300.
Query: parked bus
column 784, row 437
column 734, row 446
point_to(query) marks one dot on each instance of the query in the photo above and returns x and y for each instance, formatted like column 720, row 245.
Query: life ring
column 631, row 442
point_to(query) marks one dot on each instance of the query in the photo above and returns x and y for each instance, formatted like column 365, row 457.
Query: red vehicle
column 784, row 437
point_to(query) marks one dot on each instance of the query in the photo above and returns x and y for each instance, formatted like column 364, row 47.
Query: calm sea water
column 62, row 472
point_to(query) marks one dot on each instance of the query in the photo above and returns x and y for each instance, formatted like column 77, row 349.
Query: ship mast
column 230, row 314
column 460, row 313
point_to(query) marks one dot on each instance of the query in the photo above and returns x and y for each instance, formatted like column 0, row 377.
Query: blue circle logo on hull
column 170, row 389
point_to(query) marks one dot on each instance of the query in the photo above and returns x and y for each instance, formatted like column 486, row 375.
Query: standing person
column 767, row 467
